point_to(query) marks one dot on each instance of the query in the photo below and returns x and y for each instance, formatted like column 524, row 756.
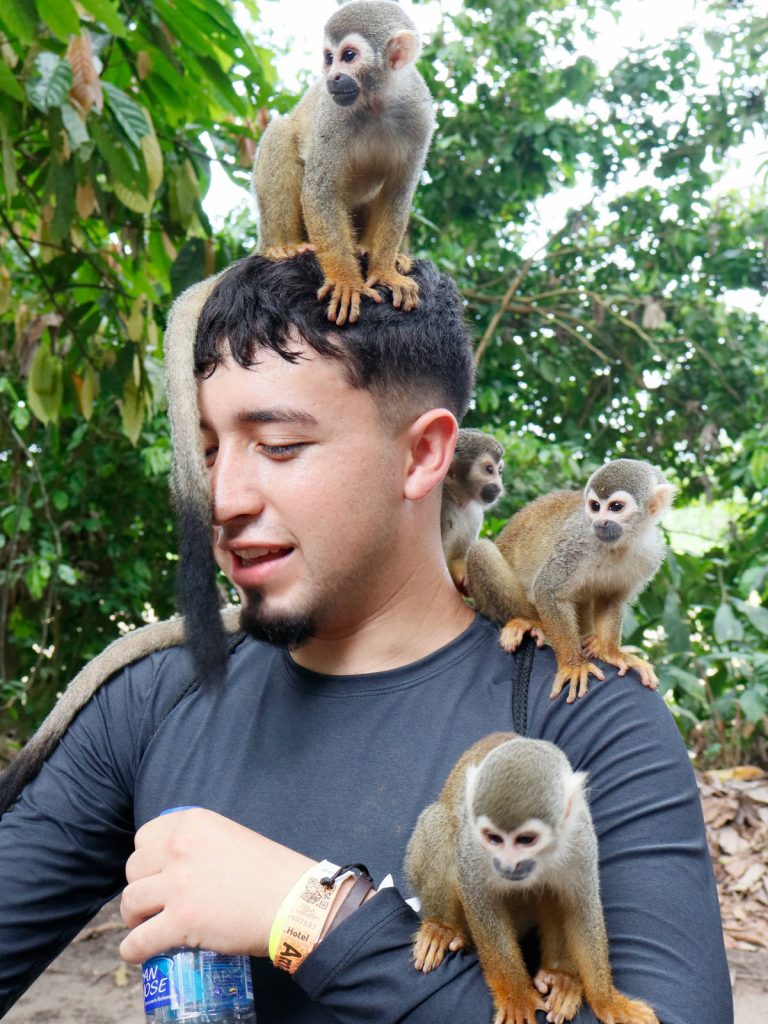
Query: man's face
column 307, row 486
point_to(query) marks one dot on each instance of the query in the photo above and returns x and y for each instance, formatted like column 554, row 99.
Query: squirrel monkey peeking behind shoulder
column 337, row 175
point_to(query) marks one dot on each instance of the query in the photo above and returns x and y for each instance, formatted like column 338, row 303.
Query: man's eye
column 281, row 451
column 209, row 455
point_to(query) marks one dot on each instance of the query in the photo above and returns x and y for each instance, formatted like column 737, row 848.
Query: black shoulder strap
column 520, row 681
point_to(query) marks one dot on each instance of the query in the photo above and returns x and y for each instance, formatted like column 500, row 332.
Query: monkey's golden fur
column 339, row 179
column 466, row 904
column 550, row 571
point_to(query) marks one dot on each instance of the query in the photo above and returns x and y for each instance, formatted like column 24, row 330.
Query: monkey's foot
column 431, row 942
column 405, row 291
column 563, row 994
column 622, row 660
column 618, row 1009
column 345, row 299
column 518, row 1009
column 575, row 678
column 285, row 252
column 511, row 636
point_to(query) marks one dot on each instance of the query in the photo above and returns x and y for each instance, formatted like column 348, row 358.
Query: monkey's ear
column 661, row 500
column 575, row 786
column 402, row 48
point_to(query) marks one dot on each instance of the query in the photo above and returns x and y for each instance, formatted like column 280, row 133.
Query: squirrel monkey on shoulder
column 567, row 563
column 337, row 175
column 510, row 841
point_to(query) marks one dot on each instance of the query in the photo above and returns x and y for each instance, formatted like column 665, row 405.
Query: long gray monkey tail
column 121, row 652
column 197, row 593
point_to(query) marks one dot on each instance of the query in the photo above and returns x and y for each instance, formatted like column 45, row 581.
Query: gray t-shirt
column 340, row 768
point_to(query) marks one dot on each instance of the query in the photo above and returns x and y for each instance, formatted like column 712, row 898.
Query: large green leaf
column 129, row 114
column 61, row 18
column 20, row 18
column 52, row 82
column 107, row 14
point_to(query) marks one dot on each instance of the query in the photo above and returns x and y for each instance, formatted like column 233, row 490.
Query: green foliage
column 104, row 106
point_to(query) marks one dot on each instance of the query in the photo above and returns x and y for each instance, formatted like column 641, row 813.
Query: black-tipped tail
column 199, row 598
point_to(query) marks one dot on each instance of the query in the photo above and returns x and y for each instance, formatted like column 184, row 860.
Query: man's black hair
column 261, row 303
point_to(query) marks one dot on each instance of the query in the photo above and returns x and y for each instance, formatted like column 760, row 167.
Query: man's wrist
column 322, row 897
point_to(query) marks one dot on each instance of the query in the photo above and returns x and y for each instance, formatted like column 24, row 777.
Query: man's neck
column 399, row 633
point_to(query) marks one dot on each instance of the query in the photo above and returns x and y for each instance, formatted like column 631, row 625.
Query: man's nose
column 235, row 488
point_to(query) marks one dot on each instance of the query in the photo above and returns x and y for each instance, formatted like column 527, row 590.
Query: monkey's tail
column 196, row 575
column 491, row 583
column 121, row 652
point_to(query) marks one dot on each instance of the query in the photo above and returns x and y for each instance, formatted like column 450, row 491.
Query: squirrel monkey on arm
column 338, row 174
column 510, row 842
column 567, row 563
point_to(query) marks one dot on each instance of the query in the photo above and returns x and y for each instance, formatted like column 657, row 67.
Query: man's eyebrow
column 277, row 414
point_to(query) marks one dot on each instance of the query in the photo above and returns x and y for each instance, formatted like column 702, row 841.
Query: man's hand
column 199, row 879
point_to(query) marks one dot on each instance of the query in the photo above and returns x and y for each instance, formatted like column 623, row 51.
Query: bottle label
column 156, row 975
column 197, row 980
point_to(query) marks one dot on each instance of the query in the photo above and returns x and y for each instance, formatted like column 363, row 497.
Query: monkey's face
column 611, row 515
column 344, row 66
column 485, row 480
column 515, row 857
column 307, row 491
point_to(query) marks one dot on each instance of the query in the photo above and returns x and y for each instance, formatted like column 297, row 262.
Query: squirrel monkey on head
column 338, row 174
column 510, row 841
column 566, row 565
column 472, row 485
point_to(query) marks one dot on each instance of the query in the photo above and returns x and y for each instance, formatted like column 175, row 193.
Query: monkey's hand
column 345, row 299
column 563, row 994
column 431, row 942
column 511, row 636
column 622, row 660
column 405, row 291
column 575, row 678
column 285, row 252
column 621, row 1010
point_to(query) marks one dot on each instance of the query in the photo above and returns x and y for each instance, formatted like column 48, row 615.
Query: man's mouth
column 253, row 556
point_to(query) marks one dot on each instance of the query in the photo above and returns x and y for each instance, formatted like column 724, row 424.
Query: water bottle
column 197, row 986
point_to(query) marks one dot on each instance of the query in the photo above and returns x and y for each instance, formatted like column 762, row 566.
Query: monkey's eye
column 594, row 506
column 348, row 55
column 616, row 506
column 328, row 57
column 489, row 470
column 492, row 838
column 526, row 839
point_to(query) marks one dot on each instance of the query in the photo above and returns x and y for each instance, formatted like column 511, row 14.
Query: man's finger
column 142, row 899
column 150, row 938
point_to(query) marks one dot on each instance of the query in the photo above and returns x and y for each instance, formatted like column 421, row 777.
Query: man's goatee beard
column 289, row 631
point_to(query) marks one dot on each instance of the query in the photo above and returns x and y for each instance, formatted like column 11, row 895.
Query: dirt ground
column 90, row 984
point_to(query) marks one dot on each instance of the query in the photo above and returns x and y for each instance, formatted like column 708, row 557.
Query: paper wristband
column 301, row 916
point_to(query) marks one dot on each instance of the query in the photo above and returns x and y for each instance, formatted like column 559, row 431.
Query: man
column 326, row 449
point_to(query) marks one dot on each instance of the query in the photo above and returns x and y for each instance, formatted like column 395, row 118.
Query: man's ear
column 430, row 441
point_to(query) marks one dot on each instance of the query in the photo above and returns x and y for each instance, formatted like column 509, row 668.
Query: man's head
column 408, row 361
column 322, row 443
